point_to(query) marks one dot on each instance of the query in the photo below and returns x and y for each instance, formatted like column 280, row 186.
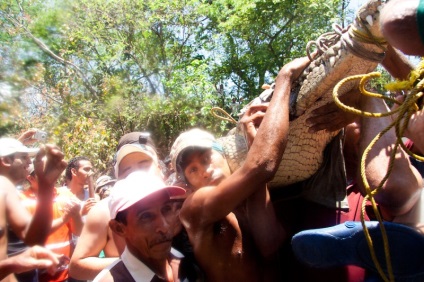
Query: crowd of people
column 204, row 222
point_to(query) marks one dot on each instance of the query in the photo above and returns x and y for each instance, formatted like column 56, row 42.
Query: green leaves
column 110, row 67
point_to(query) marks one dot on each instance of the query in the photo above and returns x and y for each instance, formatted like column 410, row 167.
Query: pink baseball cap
column 135, row 187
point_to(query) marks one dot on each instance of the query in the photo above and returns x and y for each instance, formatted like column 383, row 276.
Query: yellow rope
column 404, row 112
column 366, row 37
column 225, row 116
column 364, row 92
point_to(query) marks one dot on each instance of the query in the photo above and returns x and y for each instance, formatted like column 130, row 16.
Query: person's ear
column 117, row 227
column 6, row 161
column 30, row 178
column 74, row 171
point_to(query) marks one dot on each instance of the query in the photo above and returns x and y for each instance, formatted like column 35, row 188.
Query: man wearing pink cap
column 135, row 151
column 142, row 213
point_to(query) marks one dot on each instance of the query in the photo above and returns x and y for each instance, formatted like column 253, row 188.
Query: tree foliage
column 88, row 72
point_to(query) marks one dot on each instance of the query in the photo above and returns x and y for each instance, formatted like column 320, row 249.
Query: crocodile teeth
column 332, row 61
column 369, row 20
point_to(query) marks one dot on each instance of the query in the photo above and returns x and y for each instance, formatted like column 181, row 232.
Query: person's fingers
column 44, row 263
column 39, row 160
column 55, row 164
column 252, row 110
column 43, row 253
column 260, row 107
column 55, row 154
column 27, row 137
column 257, row 118
column 327, row 108
column 321, row 117
column 298, row 65
column 324, row 118
column 90, row 204
column 325, row 126
column 61, row 265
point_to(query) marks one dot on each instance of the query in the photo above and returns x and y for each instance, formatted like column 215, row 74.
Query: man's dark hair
column 182, row 163
column 122, row 216
column 74, row 163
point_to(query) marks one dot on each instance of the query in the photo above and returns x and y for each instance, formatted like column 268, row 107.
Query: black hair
column 122, row 216
column 183, row 159
column 74, row 163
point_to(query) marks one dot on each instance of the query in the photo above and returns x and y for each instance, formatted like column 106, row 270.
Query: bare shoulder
column 194, row 205
column 99, row 214
column 10, row 193
column 6, row 185
column 95, row 229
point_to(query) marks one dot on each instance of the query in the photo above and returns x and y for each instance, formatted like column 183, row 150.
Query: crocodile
column 356, row 49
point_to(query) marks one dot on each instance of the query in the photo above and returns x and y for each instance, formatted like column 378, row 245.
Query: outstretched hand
column 330, row 117
column 49, row 165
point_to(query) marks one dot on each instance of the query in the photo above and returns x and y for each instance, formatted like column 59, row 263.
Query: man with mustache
column 229, row 218
column 142, row 213
column 135, row 151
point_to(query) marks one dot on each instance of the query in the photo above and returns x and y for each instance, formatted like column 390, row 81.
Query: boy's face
column 205, row 168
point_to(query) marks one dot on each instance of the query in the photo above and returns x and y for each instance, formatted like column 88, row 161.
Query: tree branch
column 51, row 54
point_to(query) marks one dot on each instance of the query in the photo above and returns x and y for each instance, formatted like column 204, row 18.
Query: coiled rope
column 400, row 123
column 356, row 35
column 324, row 41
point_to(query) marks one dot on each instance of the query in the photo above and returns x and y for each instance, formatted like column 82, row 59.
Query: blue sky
column 355, row 4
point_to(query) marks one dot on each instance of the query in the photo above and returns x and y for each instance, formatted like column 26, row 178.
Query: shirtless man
column 14, row 162
column 229, row 218
column 135, row 152
column 78, row 175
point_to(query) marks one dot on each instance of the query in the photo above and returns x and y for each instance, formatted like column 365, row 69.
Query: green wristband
column 420, row 19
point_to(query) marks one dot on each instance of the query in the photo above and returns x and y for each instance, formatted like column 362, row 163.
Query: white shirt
column 138, row 270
